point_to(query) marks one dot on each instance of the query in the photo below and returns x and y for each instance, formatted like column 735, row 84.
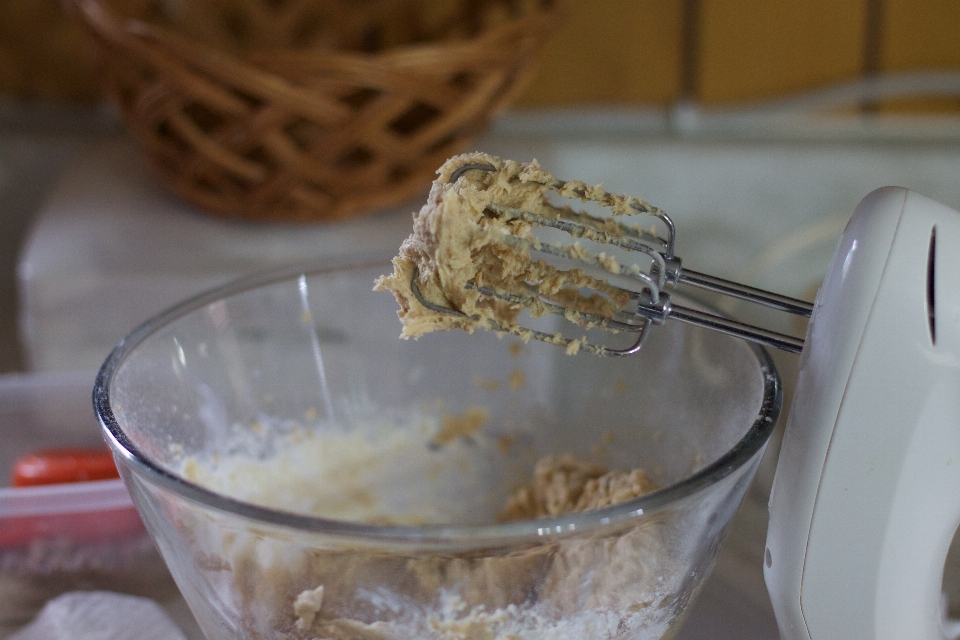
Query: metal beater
column 657, row 270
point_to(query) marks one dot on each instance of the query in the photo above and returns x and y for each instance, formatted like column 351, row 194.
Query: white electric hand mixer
column 866, row 497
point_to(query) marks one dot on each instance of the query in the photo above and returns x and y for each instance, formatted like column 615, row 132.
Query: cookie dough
column 573, row 586
column 566, row 485
column 462, row 240
column 565, row 589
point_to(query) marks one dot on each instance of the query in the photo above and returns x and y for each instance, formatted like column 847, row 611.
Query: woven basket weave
column 304, row 110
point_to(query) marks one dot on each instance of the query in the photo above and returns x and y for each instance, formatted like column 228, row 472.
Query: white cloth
column 100, row 615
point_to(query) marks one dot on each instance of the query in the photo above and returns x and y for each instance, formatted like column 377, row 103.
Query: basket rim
column 532, row 26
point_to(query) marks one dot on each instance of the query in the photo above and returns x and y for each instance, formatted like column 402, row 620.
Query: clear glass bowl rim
column 418, row 535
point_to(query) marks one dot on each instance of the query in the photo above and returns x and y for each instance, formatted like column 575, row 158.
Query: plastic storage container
column 64, row 537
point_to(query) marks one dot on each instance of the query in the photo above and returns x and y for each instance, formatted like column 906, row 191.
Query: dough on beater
column 458, row 245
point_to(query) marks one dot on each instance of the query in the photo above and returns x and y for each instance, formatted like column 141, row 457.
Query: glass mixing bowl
column 306, row 474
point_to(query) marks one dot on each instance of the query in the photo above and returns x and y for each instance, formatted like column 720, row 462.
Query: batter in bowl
column 537, row 592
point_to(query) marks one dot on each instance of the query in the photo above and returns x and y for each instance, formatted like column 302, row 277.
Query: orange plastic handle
column 55, row 466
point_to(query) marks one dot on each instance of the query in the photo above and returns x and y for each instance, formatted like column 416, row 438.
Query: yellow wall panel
column 920, row 36
column 758, row 49
column 43, row 53
column 621, row 52
column 611, row 52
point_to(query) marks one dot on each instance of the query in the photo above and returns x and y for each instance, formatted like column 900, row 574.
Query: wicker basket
column 304, row 110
